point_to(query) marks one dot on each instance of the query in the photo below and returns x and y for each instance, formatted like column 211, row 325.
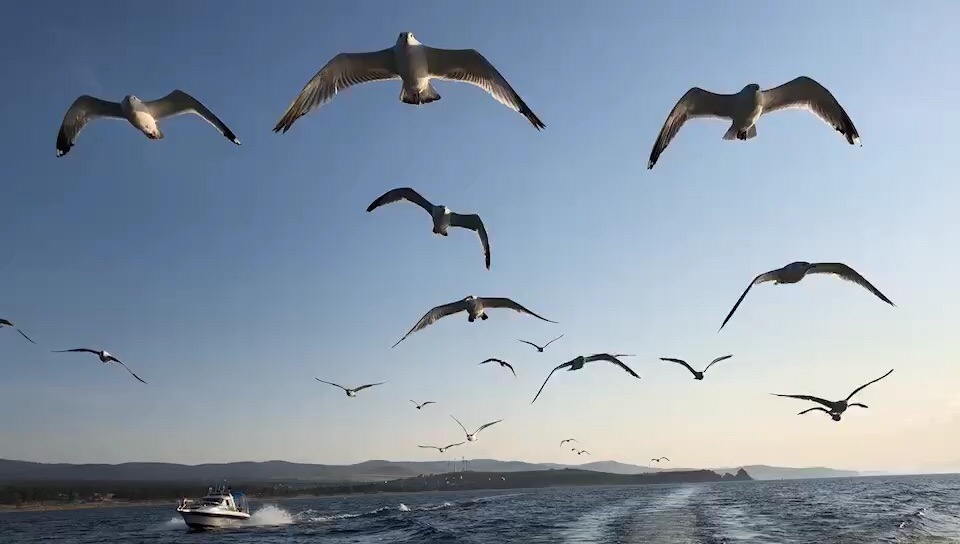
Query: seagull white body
column 474, row 306
column 796, row 271
column 744, row 108
column 415, row 64
column 472, row 437
column 443, row 218
column 142, row 115
column 834, row 408
column 104, row 356
column 350, row 392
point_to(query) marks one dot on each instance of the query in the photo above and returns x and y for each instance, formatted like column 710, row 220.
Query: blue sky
column 228, row 277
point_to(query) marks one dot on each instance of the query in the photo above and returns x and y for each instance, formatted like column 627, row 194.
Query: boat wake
column 271, row 515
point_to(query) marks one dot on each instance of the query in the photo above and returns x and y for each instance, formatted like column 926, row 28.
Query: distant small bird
column 796, row 271
column 443, row 449
column 540, row 349
column 658, row 459
column 104, row 358
column 744, row 109
column 836, row 408
column 8, row 323
column 578, row 362
column 697, row 375
column 474, row 306
column 348, row 391
column 419, row 405
column 562, row 442
column 581, row 452
column 142, row 115
column 471, row 437
column 413, row 63
column 442, row 217
column 502, row 363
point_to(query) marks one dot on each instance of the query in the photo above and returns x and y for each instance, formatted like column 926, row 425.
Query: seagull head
column 835, row 416
column 407, row 38
column 351, row 393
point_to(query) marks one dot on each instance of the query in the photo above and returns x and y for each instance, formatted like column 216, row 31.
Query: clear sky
column 229, row 277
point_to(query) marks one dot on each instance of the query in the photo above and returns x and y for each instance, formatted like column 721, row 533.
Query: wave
column 271, row 515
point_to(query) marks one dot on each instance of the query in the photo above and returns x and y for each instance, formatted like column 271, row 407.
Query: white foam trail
column 176, row 522
column 403, row 508
column 271, row 515
column 437, row 507
column 322, row 519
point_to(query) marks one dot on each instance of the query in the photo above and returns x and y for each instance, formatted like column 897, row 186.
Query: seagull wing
column 77, row 350
column 849, row 274
column 552, row 341
column 804, row 92
column 453, row 445
column 857, row 390
column 433, row 315
column 368, row 385
column 611, row 359
column 694, row 103
column 558, row 367
column 179, row 102
column 810, row 398
column 490, row 360
column 431, row 447
column 119, row 362
column 23, row 334
column 500, row 302
column 664, row 459
column 469, row 66
column 83, row 110
column 485, row 425
column 414, row 403
column 581, row 452
column 529, row 343
column 330, row 383
column 680, row 362
column 814, row 409
column 460, row 424
column 717, row 360
column 426, row 403
column 765, row 277
column 402, row 193
column 474, row 223
column 341, row 72
column 508, row 365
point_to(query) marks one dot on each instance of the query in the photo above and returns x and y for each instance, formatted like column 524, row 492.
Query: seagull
column 471, row 437
column 443, row 218
column 796, row 271
column 581, row 452
column 443, row 449
column 658, row 459
column 562, row 442
column 744, row 109
column 577, row 364
column 351, row 392
column 420, row 406
column 474, row 306
column 540, row 349
column 502, row 363
column 8, row 323
column 413, row 63
column 142, row 115
column 696, row 374
column 104, row 356
column 837, row 408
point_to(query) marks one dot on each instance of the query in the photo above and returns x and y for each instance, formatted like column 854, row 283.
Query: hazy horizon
column 229, row 277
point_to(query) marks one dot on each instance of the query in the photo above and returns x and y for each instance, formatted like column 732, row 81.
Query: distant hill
column 367, row 471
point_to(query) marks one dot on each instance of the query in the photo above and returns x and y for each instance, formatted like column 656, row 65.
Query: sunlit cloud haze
column 229, row 277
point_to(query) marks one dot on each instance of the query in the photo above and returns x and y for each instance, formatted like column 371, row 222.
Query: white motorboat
column 220, row 507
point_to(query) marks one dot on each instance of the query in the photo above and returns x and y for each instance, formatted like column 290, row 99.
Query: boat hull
column 205, row 520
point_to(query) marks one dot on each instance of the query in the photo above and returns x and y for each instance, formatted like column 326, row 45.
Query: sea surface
column 848, row 510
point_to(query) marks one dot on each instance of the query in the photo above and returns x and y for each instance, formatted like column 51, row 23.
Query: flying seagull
column 413, row 63
column 577, row 364
column 540, row 349
column 472, row 436
column 744, row 109
column 420, row 406
column 697, row 375
column 474, row 306
column 502, row 363
column 443, row 218
column 443, row 449
column 796, row 271
column 835, row 408
column 562, row 442
column 581, row 452
column 350, row 392
column 104, row 356
column 8, row 323
column 658, row 459
column 142, row 115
